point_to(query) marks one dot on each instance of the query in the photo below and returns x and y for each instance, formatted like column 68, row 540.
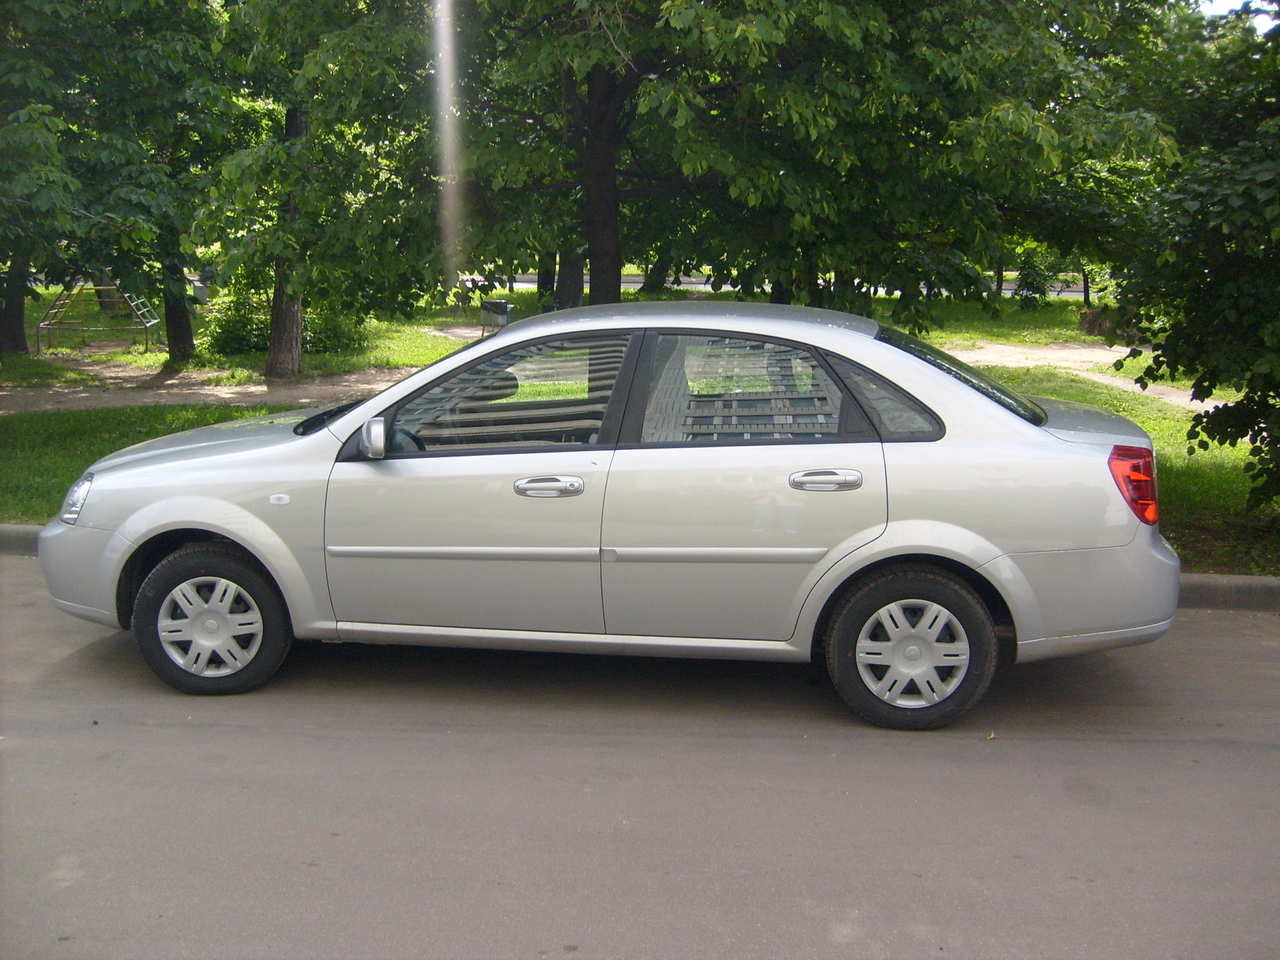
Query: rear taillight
column 1134, row 469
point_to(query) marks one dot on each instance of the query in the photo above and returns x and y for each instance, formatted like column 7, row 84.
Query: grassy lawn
column 21, row 370
column 1202, row 496
column 965, row 324
column 42, row 454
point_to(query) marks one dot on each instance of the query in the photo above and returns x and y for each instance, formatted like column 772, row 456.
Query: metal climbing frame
column 107, row 296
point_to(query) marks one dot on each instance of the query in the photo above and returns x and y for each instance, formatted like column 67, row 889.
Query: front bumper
column 80, row 565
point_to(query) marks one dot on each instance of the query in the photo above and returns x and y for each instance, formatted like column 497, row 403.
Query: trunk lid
column 1082, row 423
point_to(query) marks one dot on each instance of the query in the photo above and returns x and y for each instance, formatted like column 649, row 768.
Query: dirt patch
column 1079, row 358
column 125, row 386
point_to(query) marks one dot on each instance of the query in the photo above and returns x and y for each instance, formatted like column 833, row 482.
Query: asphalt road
column 405, row 803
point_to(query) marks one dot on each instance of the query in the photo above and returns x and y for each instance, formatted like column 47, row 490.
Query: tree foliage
column 1204, row 277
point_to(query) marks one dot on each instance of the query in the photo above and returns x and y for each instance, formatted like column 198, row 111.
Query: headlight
column 76, row 497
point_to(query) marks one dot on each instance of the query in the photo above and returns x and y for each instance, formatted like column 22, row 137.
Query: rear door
column 745, row 470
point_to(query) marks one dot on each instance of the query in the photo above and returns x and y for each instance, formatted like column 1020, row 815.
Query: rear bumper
column 1066, row 602
column 1045, row 648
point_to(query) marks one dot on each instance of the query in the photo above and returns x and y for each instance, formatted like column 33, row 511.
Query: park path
column 124, row 386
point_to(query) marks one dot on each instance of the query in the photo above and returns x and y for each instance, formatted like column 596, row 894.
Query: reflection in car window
column 714, row 389
column 536, row 395
column 1013, row 402
column 898, row 416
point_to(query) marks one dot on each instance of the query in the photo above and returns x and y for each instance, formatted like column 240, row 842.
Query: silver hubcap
column 210, row 626
column 912, row 653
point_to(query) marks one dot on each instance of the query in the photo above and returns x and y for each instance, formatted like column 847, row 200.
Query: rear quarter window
column 896, row 415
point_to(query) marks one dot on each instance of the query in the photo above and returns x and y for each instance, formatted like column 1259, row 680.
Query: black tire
column 920, row 700
column 259, row 650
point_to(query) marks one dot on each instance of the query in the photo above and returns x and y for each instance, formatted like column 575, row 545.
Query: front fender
column 294, row 572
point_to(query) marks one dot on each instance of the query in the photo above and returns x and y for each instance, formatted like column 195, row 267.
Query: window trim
column 610, row 425
column 642, row 384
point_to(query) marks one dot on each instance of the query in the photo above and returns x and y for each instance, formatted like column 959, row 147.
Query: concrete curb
column 18, row 538
column 1212, row 590
column 1226, row 591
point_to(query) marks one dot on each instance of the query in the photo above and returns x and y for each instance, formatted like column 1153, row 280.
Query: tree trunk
column 814, row 293
column 546, row 276
column 605, row 95
column 110, row 300
column 1084, row 282
column 1000, row 277
column 284, row 343
column 655, row 278
column 779, row 289
column 569, row 282
column 13, row 329
column 177, row 312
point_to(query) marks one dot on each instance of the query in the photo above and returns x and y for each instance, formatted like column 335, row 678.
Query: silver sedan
column 660, row 479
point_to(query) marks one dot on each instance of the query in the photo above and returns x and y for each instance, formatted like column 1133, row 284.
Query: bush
column 240, row 324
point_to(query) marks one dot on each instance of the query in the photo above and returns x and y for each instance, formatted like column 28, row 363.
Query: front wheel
column 911, row 648
column 208, row 621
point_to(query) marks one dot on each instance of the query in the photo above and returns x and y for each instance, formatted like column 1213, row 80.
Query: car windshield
column 1013, row 402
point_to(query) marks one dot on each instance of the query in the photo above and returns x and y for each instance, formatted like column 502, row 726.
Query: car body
column 673, row 479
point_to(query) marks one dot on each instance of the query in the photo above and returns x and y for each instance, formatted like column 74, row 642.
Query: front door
column 486, row 511
column 743, row 474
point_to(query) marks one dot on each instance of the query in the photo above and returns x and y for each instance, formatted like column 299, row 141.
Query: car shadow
column 1100, row 690
column 1098, row 694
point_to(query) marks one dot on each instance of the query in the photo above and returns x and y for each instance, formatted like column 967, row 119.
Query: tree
column 335, row 201
column 885, row 143
column 157, row 113
column 1205, row 278
column 38, row 193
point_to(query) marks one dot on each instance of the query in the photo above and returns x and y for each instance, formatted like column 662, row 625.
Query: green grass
column 21, row 370
column 1202, row 495
column 1130, row 369
column 42, row 454
column 965, row 324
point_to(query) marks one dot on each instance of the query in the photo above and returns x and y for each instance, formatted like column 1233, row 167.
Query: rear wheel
column 911, row 648
column 208, row 621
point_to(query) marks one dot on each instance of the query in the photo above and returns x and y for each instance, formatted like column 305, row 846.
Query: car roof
column 785, row 319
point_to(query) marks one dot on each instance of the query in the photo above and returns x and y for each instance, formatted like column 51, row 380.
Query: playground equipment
column 135, row 313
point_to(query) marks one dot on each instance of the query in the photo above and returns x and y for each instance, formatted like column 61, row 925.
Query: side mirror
column 373, row 438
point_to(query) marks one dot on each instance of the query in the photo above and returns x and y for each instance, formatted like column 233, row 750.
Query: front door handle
column 826, row 480
column 549, row 486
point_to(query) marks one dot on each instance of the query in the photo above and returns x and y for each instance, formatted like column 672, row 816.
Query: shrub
column 239, row 323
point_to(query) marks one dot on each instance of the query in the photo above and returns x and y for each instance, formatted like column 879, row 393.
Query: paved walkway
column 126, row 386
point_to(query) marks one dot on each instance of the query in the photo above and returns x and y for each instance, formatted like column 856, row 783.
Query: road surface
column 394, row 803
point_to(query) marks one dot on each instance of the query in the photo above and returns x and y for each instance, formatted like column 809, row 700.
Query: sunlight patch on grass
column 22, row 370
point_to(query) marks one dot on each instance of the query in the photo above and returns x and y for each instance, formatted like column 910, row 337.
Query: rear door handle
column 835, row 479
column 549, row 486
